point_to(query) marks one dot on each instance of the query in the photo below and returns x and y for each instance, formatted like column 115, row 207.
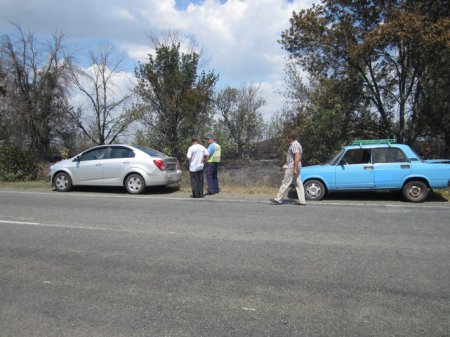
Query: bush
column 17, row 164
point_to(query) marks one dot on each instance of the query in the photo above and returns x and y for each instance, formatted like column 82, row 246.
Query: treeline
column 50, row 103
column 374, row 69
column 359, row 69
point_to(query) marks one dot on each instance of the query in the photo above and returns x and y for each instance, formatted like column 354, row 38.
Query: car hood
column 438, row 161
column 62, row 163
column 314, row 167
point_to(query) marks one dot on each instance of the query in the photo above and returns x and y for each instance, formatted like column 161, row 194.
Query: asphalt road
column 111, row 264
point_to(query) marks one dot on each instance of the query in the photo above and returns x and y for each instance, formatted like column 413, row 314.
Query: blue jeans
column 213, row 181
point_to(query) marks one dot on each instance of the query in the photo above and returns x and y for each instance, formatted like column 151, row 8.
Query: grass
column 31, row 184
column 229, row 183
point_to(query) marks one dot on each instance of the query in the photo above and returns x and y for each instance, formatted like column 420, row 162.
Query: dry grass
column 33, row 184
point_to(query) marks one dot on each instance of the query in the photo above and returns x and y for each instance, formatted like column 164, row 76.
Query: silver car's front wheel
column 62, row 182
column 135, row 184
column 314, row 190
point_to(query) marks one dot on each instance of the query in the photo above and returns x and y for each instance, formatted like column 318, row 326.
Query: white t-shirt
column 196, row 153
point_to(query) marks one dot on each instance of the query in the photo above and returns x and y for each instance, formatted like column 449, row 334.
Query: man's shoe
column 299, row 204
column 274, row 202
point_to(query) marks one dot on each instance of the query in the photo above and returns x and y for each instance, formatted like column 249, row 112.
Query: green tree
column 175, row 100
column 381, row 51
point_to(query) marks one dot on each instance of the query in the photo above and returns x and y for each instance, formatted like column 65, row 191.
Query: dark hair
column 291, row 136
column 194, row 138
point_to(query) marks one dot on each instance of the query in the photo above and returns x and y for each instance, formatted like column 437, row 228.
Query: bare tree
column 104, row 117
column 239, row 111
column 34, row 89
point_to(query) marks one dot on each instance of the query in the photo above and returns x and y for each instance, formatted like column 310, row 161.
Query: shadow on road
column 372, row 196
column 152, row 190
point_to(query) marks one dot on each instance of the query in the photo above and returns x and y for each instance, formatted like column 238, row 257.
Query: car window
column 121, row 152
column 95, row 154
column 336, row 157
column 357, row 156
column 151, row 152
column 389, row 155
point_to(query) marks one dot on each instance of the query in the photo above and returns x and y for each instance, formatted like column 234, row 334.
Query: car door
column 89, row 167
column 391, row 166
column 355, row 170
column 115, row 168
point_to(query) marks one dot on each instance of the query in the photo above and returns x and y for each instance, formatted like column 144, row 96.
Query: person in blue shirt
column 215, row 152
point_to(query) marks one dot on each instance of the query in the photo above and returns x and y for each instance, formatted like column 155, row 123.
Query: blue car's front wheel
column 314, row 190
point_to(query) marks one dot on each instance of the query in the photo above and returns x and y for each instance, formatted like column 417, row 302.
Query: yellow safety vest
column 215, row 158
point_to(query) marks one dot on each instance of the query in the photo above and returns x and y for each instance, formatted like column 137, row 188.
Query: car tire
column 62, row 182
column 415, row 191
column 135, row 184
column 314, row 190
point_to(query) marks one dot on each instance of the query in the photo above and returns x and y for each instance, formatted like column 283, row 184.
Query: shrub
column 17, row 164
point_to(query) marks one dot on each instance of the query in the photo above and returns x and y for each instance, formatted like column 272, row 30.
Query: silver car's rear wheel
column 62, row 182
column 314, row 190
column 135, row 184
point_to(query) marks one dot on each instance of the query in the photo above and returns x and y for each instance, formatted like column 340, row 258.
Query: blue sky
column 238, row 38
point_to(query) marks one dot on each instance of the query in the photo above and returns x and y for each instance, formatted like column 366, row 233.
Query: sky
column 238, row 38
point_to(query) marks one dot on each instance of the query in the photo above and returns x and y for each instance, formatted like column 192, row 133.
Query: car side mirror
column 77, row 158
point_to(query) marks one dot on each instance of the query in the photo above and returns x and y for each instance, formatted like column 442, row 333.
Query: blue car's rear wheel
column 415, row 191
column 314, row 190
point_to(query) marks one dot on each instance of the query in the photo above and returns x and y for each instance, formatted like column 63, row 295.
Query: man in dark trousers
column 197, row 155
column 214, row 152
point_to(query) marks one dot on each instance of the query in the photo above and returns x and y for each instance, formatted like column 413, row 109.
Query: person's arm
column 211, row 149
column 297, row 159
column 206, row 156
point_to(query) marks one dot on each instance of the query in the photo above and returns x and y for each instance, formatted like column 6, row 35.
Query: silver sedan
column 134, row 167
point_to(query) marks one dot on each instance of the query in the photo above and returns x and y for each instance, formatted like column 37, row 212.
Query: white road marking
column 92, row 228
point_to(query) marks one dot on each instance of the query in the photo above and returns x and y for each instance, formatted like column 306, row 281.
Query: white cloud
column 238, row 37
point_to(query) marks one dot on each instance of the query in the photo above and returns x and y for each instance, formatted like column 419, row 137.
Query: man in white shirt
column 197, row 155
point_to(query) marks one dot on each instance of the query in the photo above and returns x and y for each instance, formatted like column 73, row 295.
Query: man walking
column 197, row 154
column 214, row 152
column 292, row 172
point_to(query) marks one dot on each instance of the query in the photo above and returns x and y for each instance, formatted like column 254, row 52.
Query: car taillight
column 160, row 164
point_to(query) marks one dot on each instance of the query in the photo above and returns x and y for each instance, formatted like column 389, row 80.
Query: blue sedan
column 377, row 165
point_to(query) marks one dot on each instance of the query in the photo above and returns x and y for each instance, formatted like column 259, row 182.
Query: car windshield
column 151, row 152
column 336, row 158
column 419, row 158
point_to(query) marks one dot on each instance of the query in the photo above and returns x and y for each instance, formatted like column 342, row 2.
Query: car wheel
column 135, row 184
column 415, row 191
column 314, row 190
column 62, row 182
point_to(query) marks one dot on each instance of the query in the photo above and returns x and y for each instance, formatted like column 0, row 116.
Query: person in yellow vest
column 215, row 152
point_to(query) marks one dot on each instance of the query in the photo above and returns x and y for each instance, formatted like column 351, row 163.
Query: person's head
column 291, row 137
column 194, row 139
column 210, row 138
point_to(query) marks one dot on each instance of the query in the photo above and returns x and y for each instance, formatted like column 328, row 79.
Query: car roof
column 371, row 146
